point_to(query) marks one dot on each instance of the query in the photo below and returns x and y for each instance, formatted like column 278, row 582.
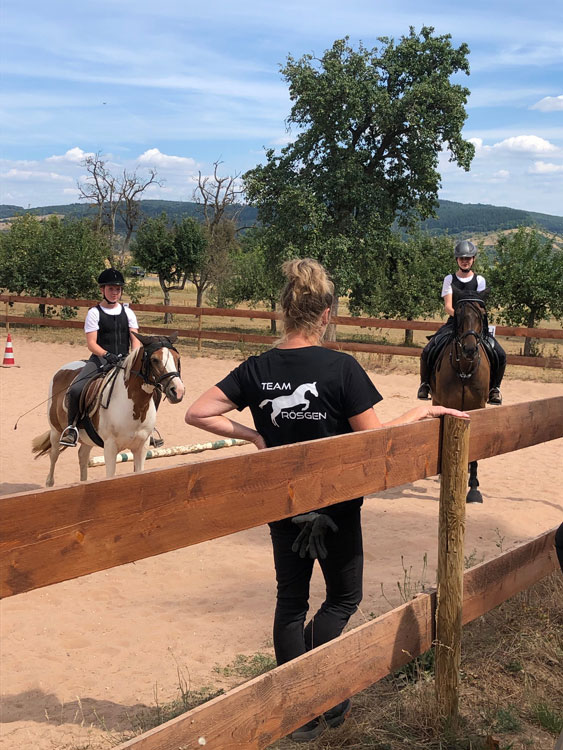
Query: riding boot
column 424, row 388
column 69, row 436
column 495, row 396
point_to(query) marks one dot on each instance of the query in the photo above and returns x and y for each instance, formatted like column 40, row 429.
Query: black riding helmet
column 465, row 249
column 111, row 277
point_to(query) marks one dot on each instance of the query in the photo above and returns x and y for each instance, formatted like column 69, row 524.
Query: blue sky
column 177, row 85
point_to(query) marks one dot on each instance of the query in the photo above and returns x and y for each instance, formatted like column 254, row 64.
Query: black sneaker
column 423, row 391
column 308, row 731
column 337, row 715
column 69, row 437
column 495, row 397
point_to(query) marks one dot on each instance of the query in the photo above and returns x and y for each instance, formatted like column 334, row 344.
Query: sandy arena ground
column 95, row 650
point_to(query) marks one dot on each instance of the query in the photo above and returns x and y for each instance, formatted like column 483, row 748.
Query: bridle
column 460, row 353
column 146, row 372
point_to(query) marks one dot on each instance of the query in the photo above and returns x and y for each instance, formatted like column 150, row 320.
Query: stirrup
column 423, row 391
column 69, row 437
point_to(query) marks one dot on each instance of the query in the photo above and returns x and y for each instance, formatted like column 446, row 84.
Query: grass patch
column 548, row 717
column 247, row 666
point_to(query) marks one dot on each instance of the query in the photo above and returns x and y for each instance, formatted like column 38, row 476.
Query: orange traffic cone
column 8, row 353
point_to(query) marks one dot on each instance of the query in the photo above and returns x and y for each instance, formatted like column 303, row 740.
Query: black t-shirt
column 301, row 394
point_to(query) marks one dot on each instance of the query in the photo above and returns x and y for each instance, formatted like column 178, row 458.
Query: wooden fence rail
column 363, row 322
column 200, row 333
column 56, row 534
column 260, row 711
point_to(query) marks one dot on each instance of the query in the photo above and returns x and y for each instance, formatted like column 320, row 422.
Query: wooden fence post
column 199, row 329
column 453, row 489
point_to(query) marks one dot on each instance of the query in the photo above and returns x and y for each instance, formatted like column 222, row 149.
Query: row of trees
column 350, row 189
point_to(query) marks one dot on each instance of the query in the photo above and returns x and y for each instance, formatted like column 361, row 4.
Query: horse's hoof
column 474, row 496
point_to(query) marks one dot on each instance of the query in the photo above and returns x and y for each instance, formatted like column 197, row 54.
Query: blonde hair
column 307, row 294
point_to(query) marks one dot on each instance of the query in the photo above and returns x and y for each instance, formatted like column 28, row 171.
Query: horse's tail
column 41, row 444
column 262, row 404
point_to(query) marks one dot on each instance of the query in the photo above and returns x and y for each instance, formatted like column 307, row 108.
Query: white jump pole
column 177, row 450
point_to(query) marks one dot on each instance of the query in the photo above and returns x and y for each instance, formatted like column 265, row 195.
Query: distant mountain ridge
column 453, row 218
column 176, row 210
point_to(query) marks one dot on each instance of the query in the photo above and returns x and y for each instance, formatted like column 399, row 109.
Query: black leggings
column 342, row 570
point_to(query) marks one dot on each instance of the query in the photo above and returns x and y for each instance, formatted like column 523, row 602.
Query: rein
column 461, row 353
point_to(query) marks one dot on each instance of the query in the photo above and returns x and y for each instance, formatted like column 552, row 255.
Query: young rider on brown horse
column 464, row 280
column 110, row 329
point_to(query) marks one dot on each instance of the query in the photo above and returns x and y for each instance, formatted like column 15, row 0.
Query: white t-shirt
column 92, row 322
column 447, row 285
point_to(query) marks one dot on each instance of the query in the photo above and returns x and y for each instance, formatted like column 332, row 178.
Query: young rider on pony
column 463, row 280
column 110, row 329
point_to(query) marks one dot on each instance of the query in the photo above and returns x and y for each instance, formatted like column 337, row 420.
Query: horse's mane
column 128, row 363
column 466, row 295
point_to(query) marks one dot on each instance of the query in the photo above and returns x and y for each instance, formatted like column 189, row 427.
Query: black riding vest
column 113, row 333
column 458, row 286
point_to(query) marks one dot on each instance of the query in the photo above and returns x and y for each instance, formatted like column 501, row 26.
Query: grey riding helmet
column 465, row 249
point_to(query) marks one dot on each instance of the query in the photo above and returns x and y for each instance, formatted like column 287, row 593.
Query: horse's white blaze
column 170, row 366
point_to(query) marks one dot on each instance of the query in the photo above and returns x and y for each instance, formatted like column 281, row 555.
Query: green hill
column 463, row 218
column 176, row 211
column 453, row 218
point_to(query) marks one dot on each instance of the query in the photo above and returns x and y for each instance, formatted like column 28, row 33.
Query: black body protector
column 113, row 333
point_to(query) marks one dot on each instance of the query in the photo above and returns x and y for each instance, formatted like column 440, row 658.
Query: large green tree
column 525, row 278
column 407, row 281
column 53, row 258
column 370, row 125
column 172, row 251
column 254, row 277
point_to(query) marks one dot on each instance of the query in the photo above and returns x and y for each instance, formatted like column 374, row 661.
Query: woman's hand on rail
column 438, row 411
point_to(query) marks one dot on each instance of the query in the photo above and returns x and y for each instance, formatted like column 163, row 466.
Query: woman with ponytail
column 297, row 391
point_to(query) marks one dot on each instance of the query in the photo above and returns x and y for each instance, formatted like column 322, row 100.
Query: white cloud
column 531, row 144
column 73, row 155
column 549, row 104
column 477, row 142
column 28, row 174
column 155, row 158
column 542, row 167
column 502, row 174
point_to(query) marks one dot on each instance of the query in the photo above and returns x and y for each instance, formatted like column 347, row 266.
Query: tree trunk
column 273, row 326
column 530, row 343
column 168, row 317
column 330, row 334
column 408, row 336
column 199, row 296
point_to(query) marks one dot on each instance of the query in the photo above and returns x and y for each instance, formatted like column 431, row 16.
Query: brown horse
column 461, row 377
column 120, row 405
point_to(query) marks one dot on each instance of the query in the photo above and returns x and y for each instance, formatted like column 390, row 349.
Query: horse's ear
column 145, row 340
column 173, row 336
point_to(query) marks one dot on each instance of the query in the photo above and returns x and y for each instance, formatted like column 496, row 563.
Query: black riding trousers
column 342, row 571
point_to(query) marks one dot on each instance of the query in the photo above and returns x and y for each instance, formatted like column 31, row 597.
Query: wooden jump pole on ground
column 451, row 528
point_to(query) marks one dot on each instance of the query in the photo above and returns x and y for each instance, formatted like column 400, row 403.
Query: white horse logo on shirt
column 286, row 402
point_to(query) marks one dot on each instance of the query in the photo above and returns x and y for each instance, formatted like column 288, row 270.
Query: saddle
column 441, row 340
column 90, row 401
